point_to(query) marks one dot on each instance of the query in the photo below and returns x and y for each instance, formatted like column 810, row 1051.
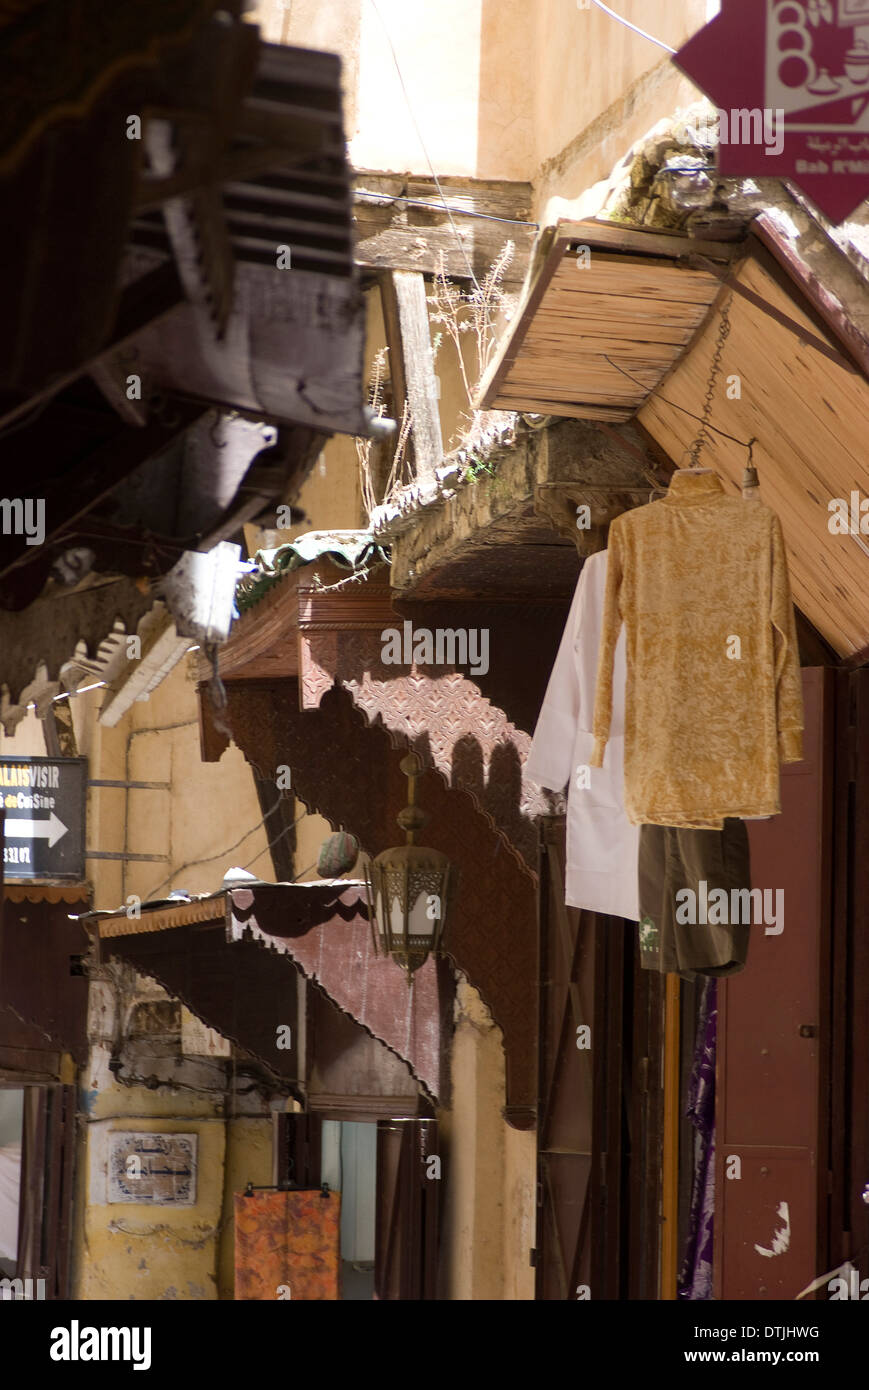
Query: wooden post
column 411, row 365
column 670, row 1166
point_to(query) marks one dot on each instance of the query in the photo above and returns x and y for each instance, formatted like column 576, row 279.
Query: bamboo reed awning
column 628, row 330
column 797, row 392
column 605, row 315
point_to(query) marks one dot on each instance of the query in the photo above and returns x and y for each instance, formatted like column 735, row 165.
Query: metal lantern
column 409, row 888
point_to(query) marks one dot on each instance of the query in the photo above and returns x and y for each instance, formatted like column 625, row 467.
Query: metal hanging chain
column 714, row 373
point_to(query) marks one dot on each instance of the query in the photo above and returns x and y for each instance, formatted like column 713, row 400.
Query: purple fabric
column 695, row 1277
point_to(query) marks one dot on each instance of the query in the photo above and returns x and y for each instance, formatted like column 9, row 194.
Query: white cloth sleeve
column 550, row 760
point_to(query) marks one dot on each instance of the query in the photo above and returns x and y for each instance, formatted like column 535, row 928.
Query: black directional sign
column 44, row 803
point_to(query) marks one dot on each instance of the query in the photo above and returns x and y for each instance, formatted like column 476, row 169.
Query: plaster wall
column 598, row 87
column 489, row 1202
column 132, row 1250
column 554, row 91
column 128, row 1250
column 205, row 819
column 248, row 1159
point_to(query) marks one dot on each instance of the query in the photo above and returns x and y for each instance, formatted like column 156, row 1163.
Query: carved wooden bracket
column 437, row 710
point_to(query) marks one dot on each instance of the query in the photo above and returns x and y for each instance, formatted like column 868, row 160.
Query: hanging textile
column 695, row 1276
column 287, row 1245
column 10, row 1187
column 601, row 872
column 695, row 908
column 713, row 700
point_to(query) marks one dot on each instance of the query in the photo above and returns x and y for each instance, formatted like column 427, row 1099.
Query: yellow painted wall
column 128, row 1250
column 488, row 1218
column 248, row 1159
column 141, row 1251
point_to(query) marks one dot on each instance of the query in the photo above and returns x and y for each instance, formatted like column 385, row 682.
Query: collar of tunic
column 689, row 489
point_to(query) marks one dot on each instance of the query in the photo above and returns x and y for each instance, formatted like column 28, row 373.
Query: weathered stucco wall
column 598, row 87
column 489, row 1207
column 131, row 1249
column 248, row 1159
column 554, row 92
column 197, row 821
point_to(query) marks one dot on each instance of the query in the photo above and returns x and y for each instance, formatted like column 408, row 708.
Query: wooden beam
column 81, row 488
column 111, row 378
column 402, row 223
column 427, row 249
column 615, row 236
column 242, row 166
column 142, row 303
column 405, row 315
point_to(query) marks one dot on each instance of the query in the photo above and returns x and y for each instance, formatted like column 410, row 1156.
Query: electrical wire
column 745, row 443
column 433, row 206
column 423, row 144
column 633, row 27
column 280, row 835
column 196, row 863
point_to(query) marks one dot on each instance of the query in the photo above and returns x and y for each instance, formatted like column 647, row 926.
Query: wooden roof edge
column 549, row 250
column 545, row 258
column 155, row 919
column 647, row 241
column 828, row 305
column 259, row 627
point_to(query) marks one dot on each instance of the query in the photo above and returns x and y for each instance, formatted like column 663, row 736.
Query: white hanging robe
column 602, row 845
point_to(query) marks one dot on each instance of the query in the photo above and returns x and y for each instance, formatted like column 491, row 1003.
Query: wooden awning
column 604, row 317
column 208, row 953
column 795, row 390
column 793, row 379
column 306, row 687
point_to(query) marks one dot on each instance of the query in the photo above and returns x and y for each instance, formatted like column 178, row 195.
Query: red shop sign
column 790, row 79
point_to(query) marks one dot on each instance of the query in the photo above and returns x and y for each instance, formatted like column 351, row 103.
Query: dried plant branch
column 396, row 480
column 475, row 312
column 364, row 445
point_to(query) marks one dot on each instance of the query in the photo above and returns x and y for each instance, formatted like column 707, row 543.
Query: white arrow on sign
column 51, row 830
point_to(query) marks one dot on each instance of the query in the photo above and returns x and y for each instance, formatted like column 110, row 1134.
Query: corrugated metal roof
column 323, row 928
column 354, row 551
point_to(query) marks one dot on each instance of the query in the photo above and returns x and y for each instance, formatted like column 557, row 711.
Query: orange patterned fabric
column 287, row 1246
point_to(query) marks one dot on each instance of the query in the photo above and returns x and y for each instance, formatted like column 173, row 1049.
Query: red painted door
column 770, row 1167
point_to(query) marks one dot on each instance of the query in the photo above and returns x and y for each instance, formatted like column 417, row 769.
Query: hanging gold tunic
column 713, row 698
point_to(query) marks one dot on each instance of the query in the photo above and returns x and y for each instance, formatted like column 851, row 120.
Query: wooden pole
column 670, row 1168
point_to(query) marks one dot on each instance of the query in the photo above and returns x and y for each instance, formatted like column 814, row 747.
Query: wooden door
column 408, row 1200
column 299, row 1150
column 773, row 1042
column 46, row 1193
column 848, row 982
column 599, row 1105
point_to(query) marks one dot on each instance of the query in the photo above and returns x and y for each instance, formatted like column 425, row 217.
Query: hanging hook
column 750, row 479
